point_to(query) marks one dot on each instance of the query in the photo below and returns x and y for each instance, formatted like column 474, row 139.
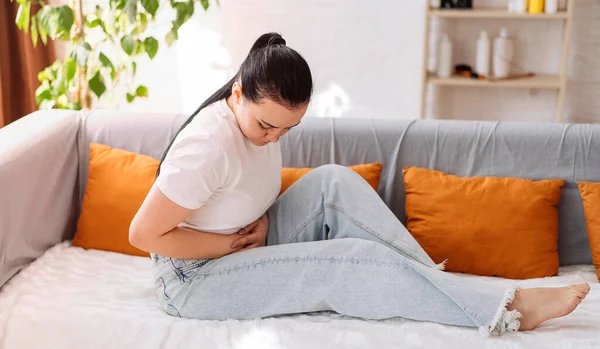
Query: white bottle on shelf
column 512, row 5
column 503, row 55
column 551, row 6
column 444, row 68
column 482, row 62
column 521, row 6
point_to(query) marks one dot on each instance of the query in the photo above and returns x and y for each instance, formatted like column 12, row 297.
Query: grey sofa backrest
column 44, row 160
column 38, row 172
column 464, row 148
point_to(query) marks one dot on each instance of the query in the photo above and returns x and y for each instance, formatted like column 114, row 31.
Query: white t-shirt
column 214, row 169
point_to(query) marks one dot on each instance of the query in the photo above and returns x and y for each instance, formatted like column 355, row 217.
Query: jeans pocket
column 164, row 299
column 186, row 269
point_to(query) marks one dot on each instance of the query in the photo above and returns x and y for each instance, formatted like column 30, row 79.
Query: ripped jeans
column 332, row 245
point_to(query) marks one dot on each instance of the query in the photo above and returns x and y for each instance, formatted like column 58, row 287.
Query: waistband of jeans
column 158, row 259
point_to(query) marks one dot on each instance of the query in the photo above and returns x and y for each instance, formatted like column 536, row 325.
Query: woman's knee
column 334, row 171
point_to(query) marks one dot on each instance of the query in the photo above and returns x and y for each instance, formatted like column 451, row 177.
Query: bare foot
column 540, row 304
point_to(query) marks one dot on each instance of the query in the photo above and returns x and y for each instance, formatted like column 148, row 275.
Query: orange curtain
column 19, row 65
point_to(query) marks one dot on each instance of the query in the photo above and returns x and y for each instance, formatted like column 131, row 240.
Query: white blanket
column 71, row 298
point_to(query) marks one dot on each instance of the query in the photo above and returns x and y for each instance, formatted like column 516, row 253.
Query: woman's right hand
column 253, row 235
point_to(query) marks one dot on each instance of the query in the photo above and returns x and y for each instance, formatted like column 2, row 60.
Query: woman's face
column 266, row 121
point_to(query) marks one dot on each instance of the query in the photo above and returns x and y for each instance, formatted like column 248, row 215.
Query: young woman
column 225, row 246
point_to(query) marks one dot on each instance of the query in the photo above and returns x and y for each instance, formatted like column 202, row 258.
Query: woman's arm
column 154, row 229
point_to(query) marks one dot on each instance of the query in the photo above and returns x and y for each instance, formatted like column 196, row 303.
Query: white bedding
column 71, row 298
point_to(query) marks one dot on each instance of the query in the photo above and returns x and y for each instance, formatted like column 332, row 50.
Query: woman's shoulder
column 208, row 121
column 209, row 127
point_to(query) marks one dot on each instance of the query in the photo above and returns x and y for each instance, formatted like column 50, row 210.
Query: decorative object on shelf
column 435, row 3
column 465, row 70
column 482, row 65
column 551, row 6
column 503, row 54
column 536, row 6
column 444, row 69
column 457, row 4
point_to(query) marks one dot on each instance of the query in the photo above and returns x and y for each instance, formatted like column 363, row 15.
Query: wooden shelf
column 492, row 13
column 538, row 81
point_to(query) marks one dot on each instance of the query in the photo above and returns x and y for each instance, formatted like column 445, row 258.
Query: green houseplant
column 104, row 45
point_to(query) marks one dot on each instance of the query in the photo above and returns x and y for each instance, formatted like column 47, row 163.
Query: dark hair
column 271, row 70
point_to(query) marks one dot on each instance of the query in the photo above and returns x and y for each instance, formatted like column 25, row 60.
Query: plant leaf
column 141, row 91
column 80, row 53
column 34, row 31
column 64, row 35
column 151, row 45
column 106, row 62
column 69, row 68
column 204, row 4
column 118, row 4
column 62, row 101
column 110, row 21
column 139, row 48
column 60, row 84
column 185, row 10
column 49, row 20
column 43, row 30
column 151, row 6
column 42, row 93
column 130, row 97
column 134, row 67
column 74, row 106
column 65, row 18
column 94, row 23
column 97, row 84
column 47, row 74
column 128, row 44
column 23, row 15
column 131, row 10
column 171, row 37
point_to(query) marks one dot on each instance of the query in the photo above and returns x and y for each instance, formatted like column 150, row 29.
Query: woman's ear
column 236, row 92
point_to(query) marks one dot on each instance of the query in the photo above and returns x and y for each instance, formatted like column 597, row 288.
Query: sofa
column 54, row 295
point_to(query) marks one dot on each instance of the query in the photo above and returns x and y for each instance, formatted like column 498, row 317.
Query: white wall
column 366, row 59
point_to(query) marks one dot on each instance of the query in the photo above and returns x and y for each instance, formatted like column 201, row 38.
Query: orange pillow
column 590, row 193
column 370, row 172
column 118, row 182
column 506, row 227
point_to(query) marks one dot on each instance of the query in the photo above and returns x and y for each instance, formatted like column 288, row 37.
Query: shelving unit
column 557, row 82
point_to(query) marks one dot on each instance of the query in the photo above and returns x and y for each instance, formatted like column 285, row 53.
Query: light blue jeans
column 332, row 245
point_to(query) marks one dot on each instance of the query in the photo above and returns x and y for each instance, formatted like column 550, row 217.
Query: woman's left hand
column 253, row 235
